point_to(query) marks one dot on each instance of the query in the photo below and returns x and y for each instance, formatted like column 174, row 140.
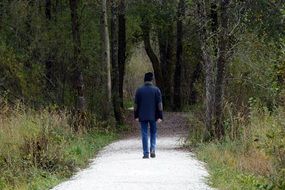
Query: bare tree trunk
column 114, row 60
column 48, row 9
column 48, row 62
column 166, row 41
column 77, row 74
column 179, row 50
column 1, row 14
column 106, row 51
column 223, row 42
column 169, row 74
column 194, row 78
column 122, row 49
column 208, row 65
column 145, row 26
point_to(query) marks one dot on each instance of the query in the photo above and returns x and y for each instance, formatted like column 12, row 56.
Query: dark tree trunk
column 166, row 43
column 179, row 50
column 75, row 32
column 114, row 61
column 194, row 78
column 162, row 42
column 49, row 61
column 1, row 14
column 48, row 9
column 77, row 74
column 145, row 26
column 122, row 50
column 221, row 64
column 166, row 51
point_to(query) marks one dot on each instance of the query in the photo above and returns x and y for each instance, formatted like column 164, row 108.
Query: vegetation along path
column 120, row 165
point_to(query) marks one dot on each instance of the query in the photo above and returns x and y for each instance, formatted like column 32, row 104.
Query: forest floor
column 120, row 166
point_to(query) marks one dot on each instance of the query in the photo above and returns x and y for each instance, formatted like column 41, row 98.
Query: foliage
column 29, row 40
column 38, row 149
column 253, row 72
column 252, row 159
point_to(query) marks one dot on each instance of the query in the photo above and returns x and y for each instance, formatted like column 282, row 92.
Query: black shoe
column 152, row 154
column 145, row 156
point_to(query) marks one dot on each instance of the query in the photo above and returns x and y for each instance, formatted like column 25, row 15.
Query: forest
column 69, row 71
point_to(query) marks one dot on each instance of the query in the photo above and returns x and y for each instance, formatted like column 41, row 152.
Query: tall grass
column 38, row 149
column 252, row 155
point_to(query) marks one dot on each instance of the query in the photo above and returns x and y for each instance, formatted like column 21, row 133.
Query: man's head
column 148, row 77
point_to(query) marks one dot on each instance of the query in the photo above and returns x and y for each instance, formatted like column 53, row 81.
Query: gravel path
column 120, row 166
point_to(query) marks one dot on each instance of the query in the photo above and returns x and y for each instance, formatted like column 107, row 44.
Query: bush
column 254, row 157
column 39, row 148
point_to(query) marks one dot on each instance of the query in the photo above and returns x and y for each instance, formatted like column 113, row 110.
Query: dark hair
column 148, row 76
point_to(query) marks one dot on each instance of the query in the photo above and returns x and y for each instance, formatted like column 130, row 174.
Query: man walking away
column 148, row 111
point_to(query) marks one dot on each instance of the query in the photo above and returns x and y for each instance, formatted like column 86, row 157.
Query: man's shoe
column 145, row 156
column 152, row 154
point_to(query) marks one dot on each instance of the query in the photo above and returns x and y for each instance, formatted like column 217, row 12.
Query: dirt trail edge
column 119, row 166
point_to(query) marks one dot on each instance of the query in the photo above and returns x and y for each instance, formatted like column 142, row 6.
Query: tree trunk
column 145, row 26
column 208, row 66
column 194, row 78
column 221, row 64
column 1, row 15
column 106, row 51
column 179, row 50
column 48, row 9
column 114, row 60
column 122, row 50
column 214, row 24
column 77, row 74
column 48, row 62
column 166, row 41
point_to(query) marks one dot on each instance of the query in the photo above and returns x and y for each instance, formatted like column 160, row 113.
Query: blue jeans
column 144, row 134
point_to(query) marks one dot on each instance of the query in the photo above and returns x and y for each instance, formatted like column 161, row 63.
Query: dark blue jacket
column 148, row 103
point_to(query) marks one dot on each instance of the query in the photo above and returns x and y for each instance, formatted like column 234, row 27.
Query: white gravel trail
column 120, row 166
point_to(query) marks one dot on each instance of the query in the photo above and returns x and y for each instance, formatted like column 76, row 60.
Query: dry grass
column 39, row 148
column 255, row 162
column 252, row 159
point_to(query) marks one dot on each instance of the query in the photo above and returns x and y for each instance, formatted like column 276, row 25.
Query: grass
column 39, row 149
column 253, row 158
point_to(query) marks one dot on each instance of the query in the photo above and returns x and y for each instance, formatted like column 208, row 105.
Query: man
column 148, row 111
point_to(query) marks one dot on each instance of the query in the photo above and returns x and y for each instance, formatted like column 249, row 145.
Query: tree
column 48, row 62
column 222, row 61
column 106, row 51
column 207, row 63
column 1, row 13
column 122, row 49
column 115, row 66
column 77, row 74
column 161, row 23
column 217, row 48
column 179, row 50
column 146, row 26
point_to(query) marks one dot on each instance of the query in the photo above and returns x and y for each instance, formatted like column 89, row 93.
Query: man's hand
column 137, row 119
column 159, row 120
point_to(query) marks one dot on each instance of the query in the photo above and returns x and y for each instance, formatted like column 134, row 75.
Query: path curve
column 120, row 166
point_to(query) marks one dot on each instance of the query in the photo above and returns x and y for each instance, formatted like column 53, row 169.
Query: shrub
column 254, row 157
column 39, row 148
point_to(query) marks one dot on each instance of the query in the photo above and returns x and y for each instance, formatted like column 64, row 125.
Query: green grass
column 39, row 149
column 251, row 158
